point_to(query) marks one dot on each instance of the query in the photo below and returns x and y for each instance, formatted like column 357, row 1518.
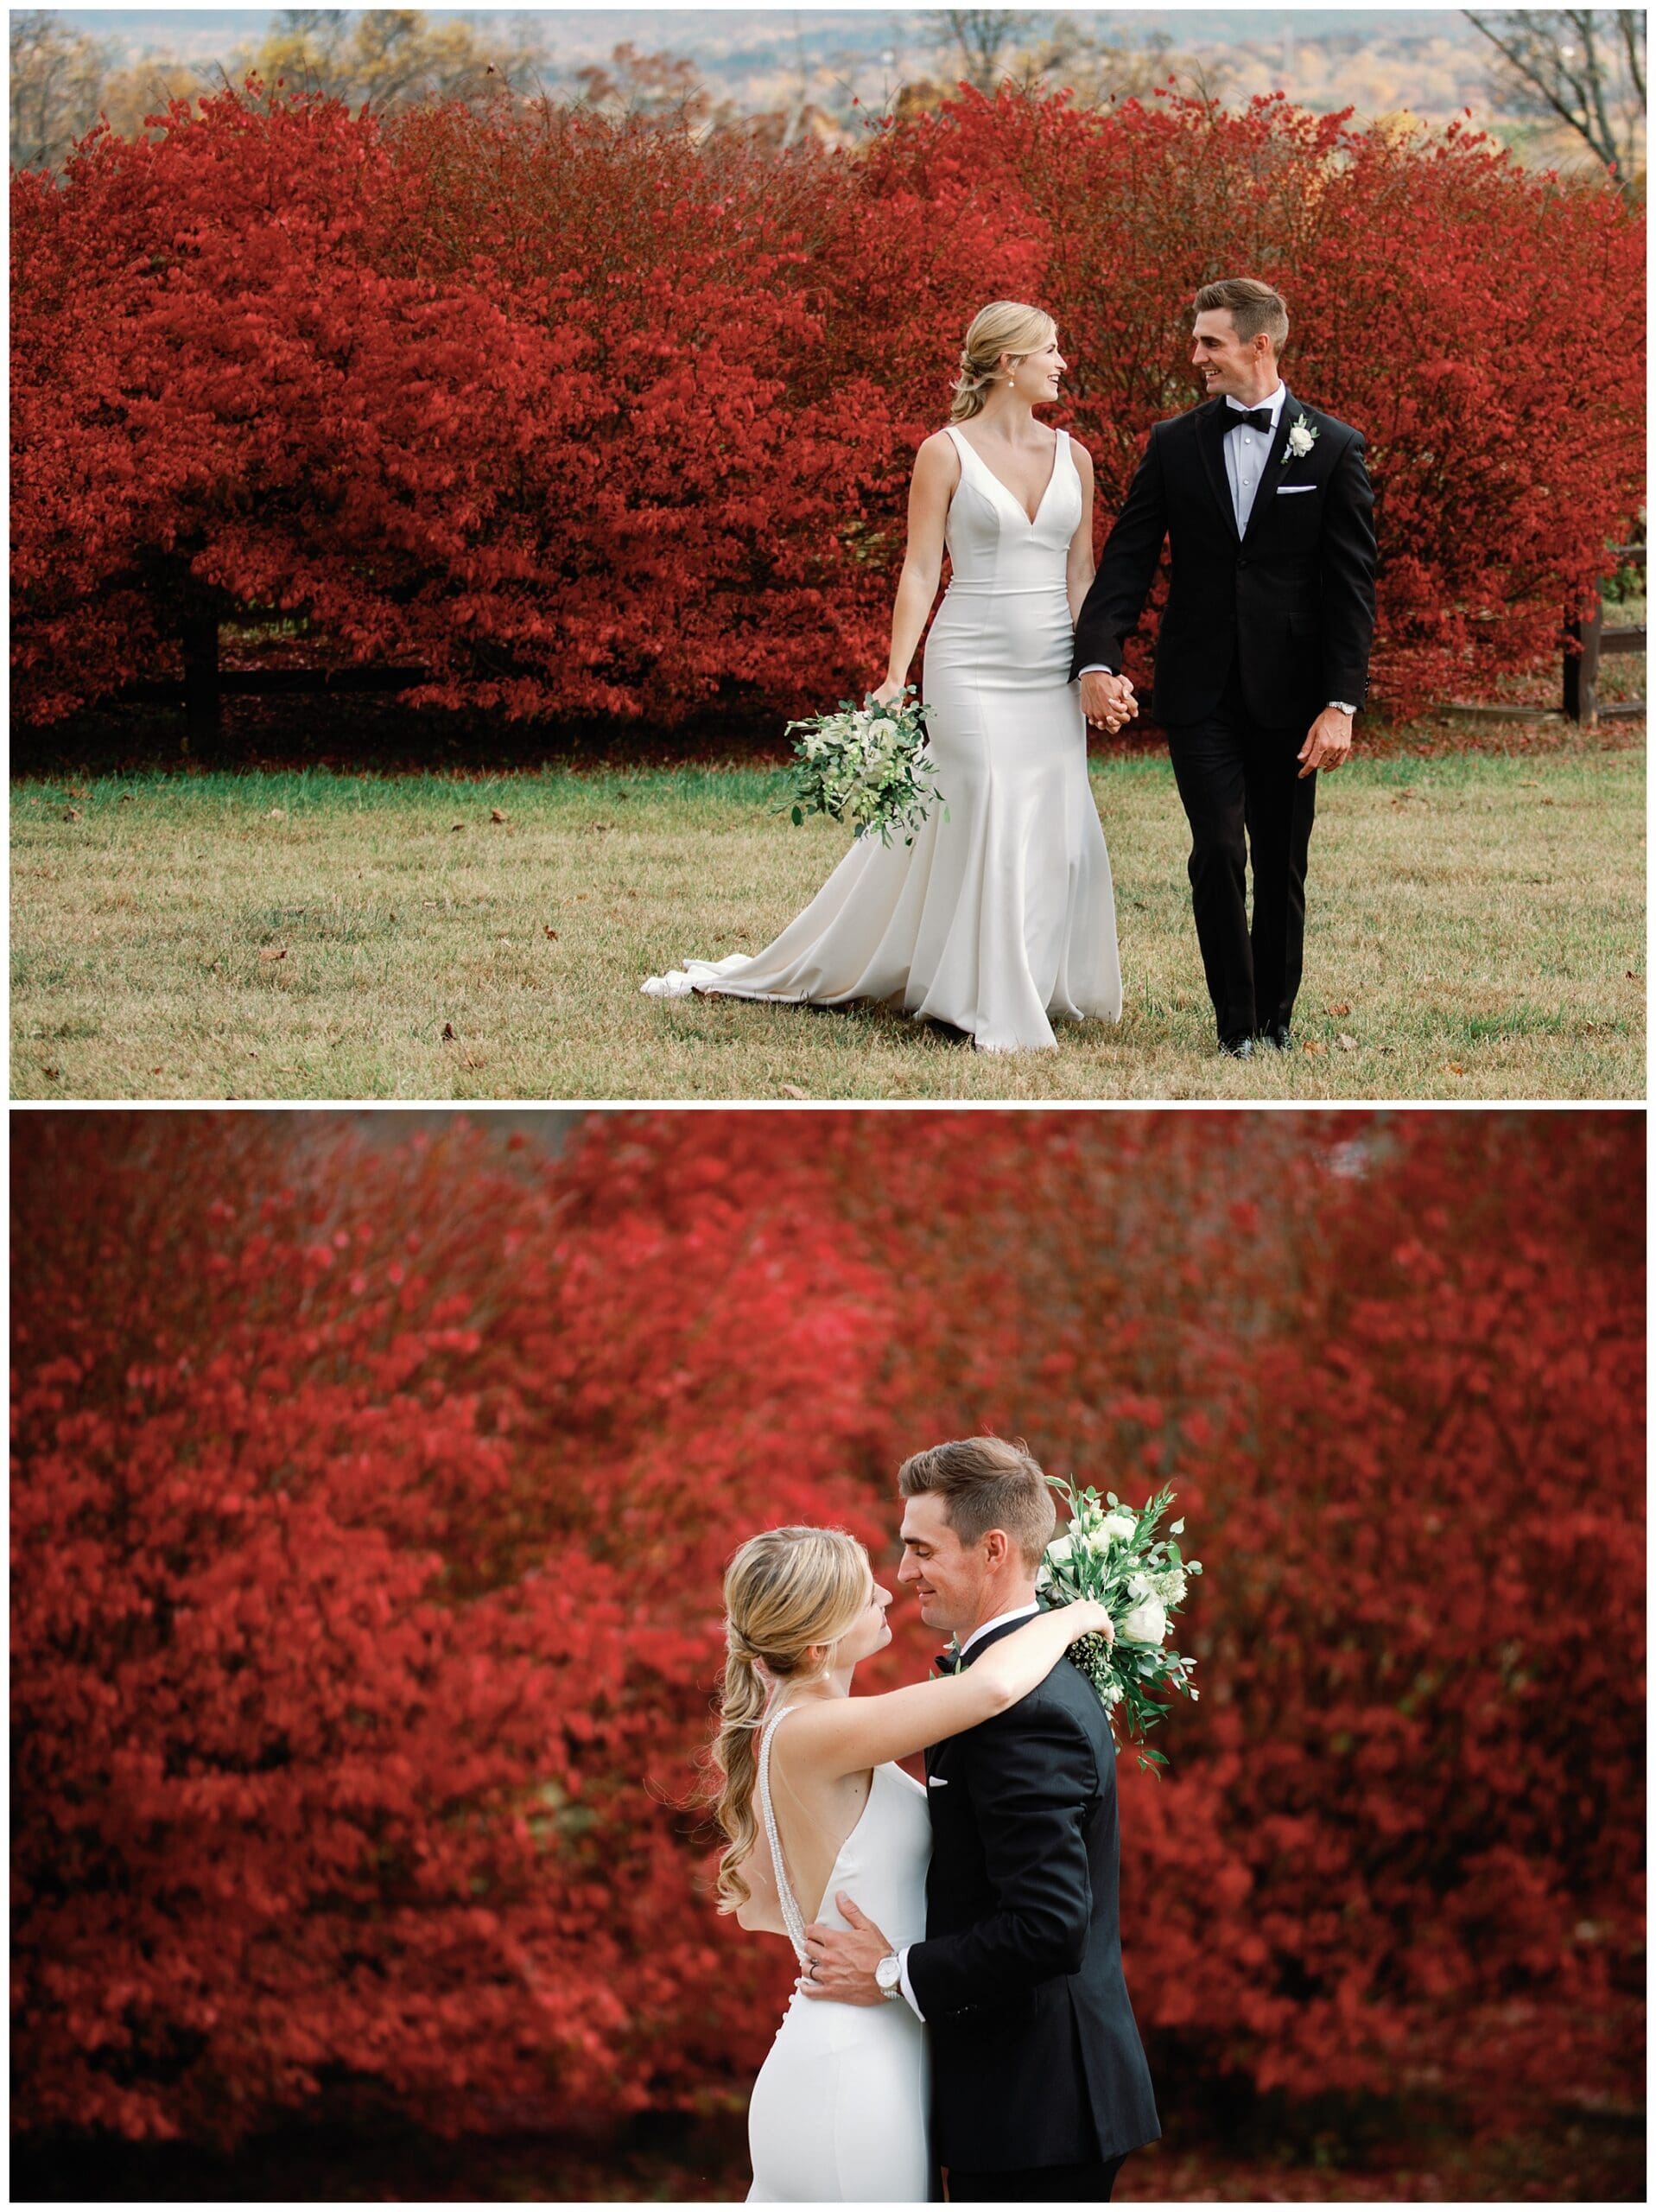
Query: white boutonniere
column 1301, row 439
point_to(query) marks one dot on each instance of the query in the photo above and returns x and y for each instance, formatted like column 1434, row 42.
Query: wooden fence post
column 1580, row 670
column 203, row 710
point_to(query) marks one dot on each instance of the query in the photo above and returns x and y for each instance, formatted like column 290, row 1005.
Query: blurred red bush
column 369, row 1507
column 591, row 420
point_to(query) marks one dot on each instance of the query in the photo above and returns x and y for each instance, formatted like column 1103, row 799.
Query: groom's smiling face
column 1239, row 368
column 943, row 1574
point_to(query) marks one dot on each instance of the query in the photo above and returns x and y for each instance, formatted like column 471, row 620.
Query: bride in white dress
column 1000, row 915
column 814, row 1804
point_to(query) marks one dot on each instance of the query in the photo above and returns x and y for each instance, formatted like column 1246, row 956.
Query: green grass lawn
column 1476, row 930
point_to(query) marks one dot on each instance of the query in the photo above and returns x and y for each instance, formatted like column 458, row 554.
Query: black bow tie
column 950, row 1661
column 1257, row 418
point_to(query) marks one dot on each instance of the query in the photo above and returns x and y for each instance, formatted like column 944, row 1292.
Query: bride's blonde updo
column 1004, row 327
column 784, row 1590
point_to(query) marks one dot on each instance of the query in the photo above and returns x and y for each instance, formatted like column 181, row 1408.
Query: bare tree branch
column 1585, row 66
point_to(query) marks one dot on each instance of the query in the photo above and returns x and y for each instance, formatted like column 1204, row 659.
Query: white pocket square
column 1285, row 490
column 937, row 1782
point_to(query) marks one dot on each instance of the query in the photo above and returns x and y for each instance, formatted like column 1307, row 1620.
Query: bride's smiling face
column 1036, row 377
column 869, row 1632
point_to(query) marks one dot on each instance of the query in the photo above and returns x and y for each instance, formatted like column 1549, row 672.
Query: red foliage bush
column 589, row 420
column 369, row 1506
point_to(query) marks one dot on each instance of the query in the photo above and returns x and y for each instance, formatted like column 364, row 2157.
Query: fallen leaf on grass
column 1452, row 1067
column 553, row 935
column 1338, row 1013
column 277, row 814
column 72, row 813
column 51, row 1074
column 1346, row 1044
column 274, row 952
column 497, row 814
column 1314, row 1045
column 791, row 1090
column 449, row 1037
column 1527, row 783
column 125, row 799
column 456, row 825
column 75, row 791
column 154, row 1070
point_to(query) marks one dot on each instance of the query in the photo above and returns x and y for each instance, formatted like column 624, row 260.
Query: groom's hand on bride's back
column 841, row 1961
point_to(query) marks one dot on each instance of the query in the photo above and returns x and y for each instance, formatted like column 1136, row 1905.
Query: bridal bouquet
column 868, row 766
column 1110, row 1553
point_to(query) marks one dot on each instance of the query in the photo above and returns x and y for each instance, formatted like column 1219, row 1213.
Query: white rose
column 1146, row 1623
column 1299, row 441
column 1118, row 1527
column 1058, row 1552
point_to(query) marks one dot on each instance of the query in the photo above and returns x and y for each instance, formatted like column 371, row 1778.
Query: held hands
column 841, row 1962
column 1106, row 701
column 1328, row 745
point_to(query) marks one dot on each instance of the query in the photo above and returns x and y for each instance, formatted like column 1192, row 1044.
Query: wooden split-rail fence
column 206, row 684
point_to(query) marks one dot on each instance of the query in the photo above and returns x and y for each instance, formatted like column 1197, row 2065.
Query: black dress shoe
column 1236, row 1048
column 1279, row 1035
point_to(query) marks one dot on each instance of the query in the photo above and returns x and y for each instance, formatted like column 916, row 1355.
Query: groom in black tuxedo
column 1263, row 656
column 1039, row 2084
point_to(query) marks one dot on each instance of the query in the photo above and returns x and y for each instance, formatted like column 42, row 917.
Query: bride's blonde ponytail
column 785, row 1592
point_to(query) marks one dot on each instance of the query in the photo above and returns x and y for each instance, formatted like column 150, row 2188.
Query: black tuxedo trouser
column 1038, row 2184
column 1244, row 798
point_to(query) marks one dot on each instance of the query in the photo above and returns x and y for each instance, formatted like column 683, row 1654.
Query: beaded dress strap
column 793, row 1919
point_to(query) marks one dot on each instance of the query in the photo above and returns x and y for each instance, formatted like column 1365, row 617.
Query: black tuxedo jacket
column 1291, row 601
column 1034, row 2055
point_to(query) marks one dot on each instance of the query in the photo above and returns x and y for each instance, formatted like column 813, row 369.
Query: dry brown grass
column 1477, row 932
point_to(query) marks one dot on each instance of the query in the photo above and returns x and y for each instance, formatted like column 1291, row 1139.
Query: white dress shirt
column 1247, row 451
column 1017, row 1613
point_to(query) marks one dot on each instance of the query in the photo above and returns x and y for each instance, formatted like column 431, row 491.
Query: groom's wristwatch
column 889, row 1975
column 1341, row 707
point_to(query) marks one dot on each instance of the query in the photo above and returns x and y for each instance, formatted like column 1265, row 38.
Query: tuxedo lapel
column 1275, row 465
column 1210, row 441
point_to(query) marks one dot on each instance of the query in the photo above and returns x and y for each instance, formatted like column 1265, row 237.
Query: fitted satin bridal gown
column 839, row 2112
column 1001, row 916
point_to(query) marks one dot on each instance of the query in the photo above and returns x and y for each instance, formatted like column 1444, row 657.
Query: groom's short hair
column 985, row 1483
column 1252, row 308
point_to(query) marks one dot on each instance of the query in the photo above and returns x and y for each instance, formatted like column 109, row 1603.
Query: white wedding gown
column 839, row 2112
column 1002, row 915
